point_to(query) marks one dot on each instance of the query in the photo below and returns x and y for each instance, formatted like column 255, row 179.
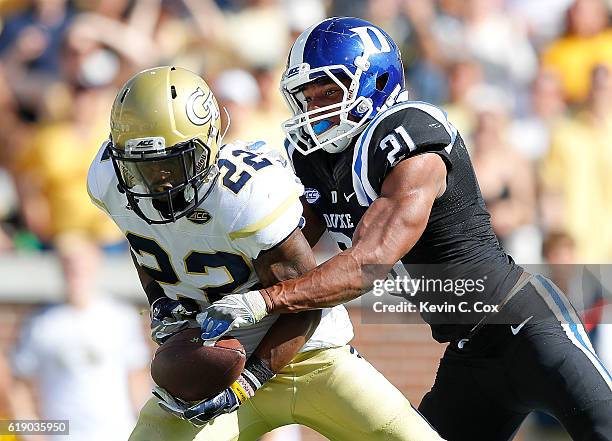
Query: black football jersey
column 458, row 242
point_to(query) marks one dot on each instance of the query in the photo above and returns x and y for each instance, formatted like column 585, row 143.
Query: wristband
column 258, row 370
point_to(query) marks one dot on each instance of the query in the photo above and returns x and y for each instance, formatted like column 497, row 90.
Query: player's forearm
column 288, row 335
column 152, row 289
column 154, row 292
column 342, row 278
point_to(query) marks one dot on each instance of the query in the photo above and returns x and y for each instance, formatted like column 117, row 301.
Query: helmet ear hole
column 382, row 80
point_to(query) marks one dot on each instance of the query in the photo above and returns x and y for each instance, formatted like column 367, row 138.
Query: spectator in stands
column 349, row 8
column 464, row 77
column 53, row 165
column 30, row 47
column 266, row 20
column 491, row 35
column 582, row 284
column 12, row 133
column 238, row 93
column 272, row 107
column 425, row 61
column 301, row 14
column 531, row 131
column 587, row 42
column 33, row 37
column 576, row 176
column 544, row 19
column 84, row 357
column 506, row 180
column 482, row 30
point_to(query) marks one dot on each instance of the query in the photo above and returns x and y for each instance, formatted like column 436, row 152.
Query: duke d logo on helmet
column 370, row 46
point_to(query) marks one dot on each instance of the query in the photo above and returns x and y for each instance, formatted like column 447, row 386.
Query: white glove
column 232, row 312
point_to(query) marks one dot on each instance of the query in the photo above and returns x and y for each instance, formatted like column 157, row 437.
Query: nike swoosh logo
column 349, row 196
column 516, row 329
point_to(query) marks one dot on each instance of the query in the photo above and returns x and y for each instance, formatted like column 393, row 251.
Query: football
column 194, row 372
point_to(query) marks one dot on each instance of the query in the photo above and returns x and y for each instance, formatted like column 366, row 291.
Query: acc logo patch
column 297, row 69
column 312, row 195
column 140, row 144
column 293, row 71
column 199, row 216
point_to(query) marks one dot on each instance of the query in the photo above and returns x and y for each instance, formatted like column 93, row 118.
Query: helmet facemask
column 172, row 179
column 312, row 130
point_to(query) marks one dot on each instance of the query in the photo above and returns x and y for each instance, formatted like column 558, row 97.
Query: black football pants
column 485, row 387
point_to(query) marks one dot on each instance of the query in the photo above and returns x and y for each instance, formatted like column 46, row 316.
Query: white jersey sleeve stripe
column 253, row 228
column 98, row 203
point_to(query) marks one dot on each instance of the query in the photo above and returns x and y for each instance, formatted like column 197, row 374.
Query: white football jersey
column 252, row 206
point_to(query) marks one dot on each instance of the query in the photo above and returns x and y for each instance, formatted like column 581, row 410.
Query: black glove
column 169, row 317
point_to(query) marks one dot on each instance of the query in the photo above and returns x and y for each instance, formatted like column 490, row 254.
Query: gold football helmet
column 165, row 135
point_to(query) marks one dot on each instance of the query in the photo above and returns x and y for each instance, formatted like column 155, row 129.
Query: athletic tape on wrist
column 258, row 369
column 240, row 392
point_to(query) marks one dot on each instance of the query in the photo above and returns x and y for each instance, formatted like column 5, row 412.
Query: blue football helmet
column 340, row 48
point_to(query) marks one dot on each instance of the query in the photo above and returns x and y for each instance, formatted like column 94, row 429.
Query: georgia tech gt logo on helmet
column 201, row 107
column 165, row 135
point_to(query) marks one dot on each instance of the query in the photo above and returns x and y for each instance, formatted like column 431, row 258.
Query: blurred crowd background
column 528, row 83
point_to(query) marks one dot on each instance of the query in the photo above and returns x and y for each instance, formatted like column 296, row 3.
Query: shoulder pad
column 100, row 178
column 403, row 130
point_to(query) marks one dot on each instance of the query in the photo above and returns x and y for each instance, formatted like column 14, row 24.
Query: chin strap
column 342, row 143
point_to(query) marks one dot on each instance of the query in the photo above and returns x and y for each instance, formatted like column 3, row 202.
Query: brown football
column 194, row 372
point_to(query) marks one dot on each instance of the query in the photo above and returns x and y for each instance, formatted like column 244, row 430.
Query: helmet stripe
column 296, row 57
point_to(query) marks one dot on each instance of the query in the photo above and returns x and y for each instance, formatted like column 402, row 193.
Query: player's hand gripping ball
column 193, row 372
